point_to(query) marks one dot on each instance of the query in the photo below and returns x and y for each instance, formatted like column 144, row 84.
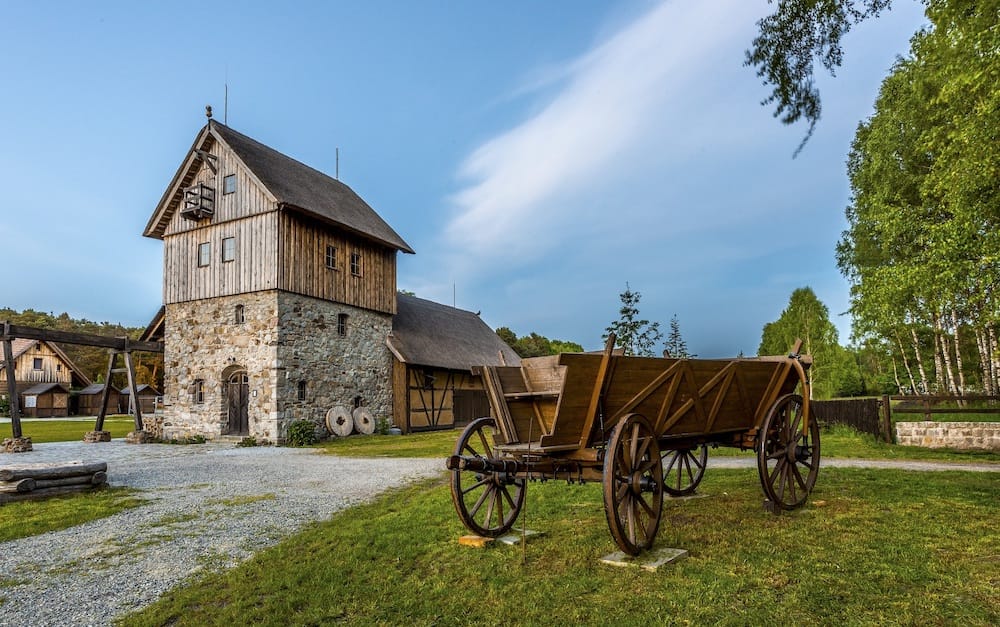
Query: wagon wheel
column 487, row 502
column 633, row 484
column 787, row 458
column 683, row 469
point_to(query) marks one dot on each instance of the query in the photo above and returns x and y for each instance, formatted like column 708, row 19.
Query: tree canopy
column 535, row 345
column 789, row 42
column 921, row 250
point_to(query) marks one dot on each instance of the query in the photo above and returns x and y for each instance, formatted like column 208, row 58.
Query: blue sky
column 536, row 155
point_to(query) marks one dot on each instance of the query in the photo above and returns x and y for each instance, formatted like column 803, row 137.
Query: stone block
column 16, row 445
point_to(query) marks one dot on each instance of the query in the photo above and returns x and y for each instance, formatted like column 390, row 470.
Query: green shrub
column 247, row 442
column 301, row 433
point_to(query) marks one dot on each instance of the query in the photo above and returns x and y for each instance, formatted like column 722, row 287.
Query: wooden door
column 238, row 395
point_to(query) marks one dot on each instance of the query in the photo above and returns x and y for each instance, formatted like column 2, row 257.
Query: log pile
column 35, row 481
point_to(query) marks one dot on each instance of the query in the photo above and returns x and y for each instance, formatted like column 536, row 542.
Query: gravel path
column 89, row 574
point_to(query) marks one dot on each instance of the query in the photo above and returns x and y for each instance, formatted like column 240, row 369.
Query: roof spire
column 208, row 111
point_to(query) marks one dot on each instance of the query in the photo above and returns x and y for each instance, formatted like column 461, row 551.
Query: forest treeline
column 92, row 361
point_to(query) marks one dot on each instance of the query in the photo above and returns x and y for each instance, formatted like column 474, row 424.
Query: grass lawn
column 873, row 547
column 836, row 441
column 28, row 518
column 55, row 430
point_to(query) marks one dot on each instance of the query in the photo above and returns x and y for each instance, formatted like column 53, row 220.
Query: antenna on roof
column 337, row 170
column 225, row 108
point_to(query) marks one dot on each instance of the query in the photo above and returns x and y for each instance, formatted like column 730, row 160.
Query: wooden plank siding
column 254, row 268
column 53, row 370
column 302, row 265
column 249, row 199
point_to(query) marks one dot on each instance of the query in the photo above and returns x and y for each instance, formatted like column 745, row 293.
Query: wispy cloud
column 550, row 172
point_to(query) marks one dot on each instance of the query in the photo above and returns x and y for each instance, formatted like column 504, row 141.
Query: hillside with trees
column 92, row 361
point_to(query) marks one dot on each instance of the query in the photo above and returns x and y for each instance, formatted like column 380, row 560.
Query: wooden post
column 130, row 370
column 927, row 409
column 106, row 393
column 15, row 405
column 887, row 434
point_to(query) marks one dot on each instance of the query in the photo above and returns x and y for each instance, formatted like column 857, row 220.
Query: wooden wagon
column 640, row 425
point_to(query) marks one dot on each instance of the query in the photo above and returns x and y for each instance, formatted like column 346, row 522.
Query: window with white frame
column 228, row 249
column 204, row 254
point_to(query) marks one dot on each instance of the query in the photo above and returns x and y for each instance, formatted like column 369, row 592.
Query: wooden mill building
column 279, row 288
column 37, row 366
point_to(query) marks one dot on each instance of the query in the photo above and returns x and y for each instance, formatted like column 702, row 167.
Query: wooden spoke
column 633, row 484
column 683, row 469
column 471, row 491
column 787, row 454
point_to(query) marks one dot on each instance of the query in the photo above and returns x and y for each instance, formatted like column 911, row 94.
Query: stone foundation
column 286, row 343
column 16, row 445
column 153, row 425
column 139, row 437
column 954, row 435
column 93, row 437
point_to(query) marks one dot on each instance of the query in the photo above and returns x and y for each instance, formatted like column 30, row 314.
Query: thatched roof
column 293, row 185
column 426, row 333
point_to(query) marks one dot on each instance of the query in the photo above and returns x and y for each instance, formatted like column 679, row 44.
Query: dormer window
column 199, row 202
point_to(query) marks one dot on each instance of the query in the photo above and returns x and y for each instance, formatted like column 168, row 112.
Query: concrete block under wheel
column 650, row 560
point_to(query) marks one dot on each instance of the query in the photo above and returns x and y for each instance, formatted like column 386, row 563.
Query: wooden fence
column 874, row 415
column 864, row 414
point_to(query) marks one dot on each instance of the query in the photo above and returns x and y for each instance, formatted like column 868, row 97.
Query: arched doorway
column 238, row 402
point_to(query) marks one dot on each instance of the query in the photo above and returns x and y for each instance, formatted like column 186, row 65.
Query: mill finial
column 208, row 111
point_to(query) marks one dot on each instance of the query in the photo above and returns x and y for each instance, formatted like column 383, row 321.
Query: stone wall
column 284, row 339
column 337, row 370
column 955, row 435
column 204, row 342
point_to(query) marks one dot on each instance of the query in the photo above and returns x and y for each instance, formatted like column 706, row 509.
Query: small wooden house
column 38, row 361
column 89, row 399
column 435, row 349
column 147, row 399
column 45, row 400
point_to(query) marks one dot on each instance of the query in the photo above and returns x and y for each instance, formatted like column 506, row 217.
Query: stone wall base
column 964, row 436
column 16, row 445
column 93, row 437
column 139, row 437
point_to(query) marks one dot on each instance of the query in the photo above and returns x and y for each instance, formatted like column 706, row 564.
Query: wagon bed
column 629, row 422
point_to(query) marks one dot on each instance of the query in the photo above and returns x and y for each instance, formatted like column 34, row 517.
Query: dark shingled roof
column 426, row 333
column 142, row 388
column 42, row 388
column 95, row 388
column 310, row 191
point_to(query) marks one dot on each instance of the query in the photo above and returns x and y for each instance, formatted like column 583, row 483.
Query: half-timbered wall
column 253, row 269
column 53, row 368
column 303, row 269
column 434, row 398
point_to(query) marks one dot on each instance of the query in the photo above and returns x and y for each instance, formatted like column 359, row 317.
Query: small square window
column 228, row 184
column 204, row 254
column 36, row 363
column 356, row 264
column 331, row 257
column 302, row 390
column 58, row 367
column 228, row 249
column 342, row 325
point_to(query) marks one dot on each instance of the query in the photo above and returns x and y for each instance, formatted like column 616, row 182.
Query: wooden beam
column 598, row 392
column 15, row 403
column 11, row 331
column 134, row 400
column 106, row 392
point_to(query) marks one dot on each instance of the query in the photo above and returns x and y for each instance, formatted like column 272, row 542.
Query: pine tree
column 636, row 336
column 675, row 345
